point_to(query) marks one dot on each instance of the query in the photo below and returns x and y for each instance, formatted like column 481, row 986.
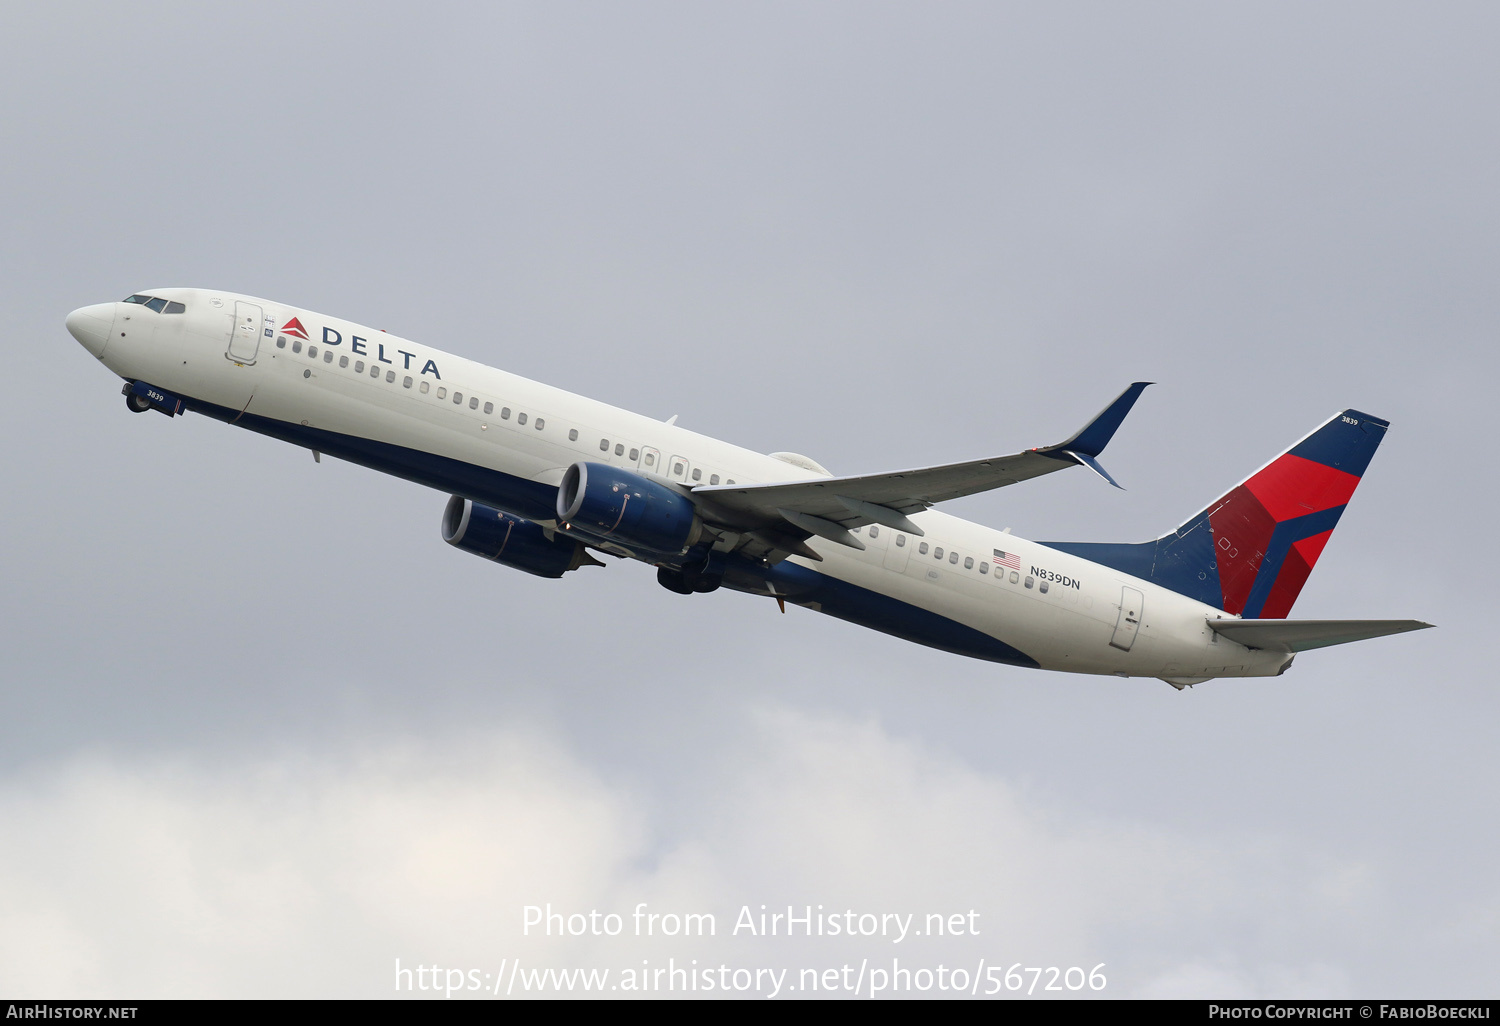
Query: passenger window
column 473, row 402
column 296, row 347
column 900, row 540
column 1014, row 577
column 730, row 481
column 1029, row 582
column 572, row 434
column 937, row 553
column 280, row 341
column 489, row 408
column 505, row 413
column 359, row 366
column 343, row 361
column 677, row 468
column 175, row 308
column 390, row 376
column 312, row 352
column 406, row 381
column 922, row 548
column 968, row 562
column 874, row 531
column 697, row 473
column 424, row 386
column 442, row 393
column 984, row 568
column 604, row 445
column 619, row 449
column 1042, row 588
column 458, row 398
column 374, row 370
column 540, row 423
column 635, row 454
column 520, row 418
column 713, row 480
column 953, row 557
column 156, row 304
column 328, row 356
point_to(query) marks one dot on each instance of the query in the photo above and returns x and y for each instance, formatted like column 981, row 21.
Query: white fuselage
column 388, row 402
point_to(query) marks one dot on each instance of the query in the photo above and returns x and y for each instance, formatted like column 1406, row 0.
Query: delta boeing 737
column 541, row 479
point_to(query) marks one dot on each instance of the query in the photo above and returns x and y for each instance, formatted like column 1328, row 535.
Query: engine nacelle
column 613, row 504
column 510, row 540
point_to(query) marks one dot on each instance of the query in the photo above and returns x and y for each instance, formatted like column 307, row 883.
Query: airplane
column 544, row 481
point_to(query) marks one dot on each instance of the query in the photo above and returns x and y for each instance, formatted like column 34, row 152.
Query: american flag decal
column 1009, row 559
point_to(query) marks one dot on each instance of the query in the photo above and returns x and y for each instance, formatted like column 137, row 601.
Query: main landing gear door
column 1131, row 603
column 244, row 337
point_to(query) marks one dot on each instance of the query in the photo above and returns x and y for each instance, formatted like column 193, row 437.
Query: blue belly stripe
column 530, row 499
column 536, row 501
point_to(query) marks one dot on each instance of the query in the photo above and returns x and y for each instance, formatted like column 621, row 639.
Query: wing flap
column 1302, row 635
column 903, row 492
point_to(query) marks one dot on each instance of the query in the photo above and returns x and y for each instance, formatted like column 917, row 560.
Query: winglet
column 1097, row 433
column 1093, row 464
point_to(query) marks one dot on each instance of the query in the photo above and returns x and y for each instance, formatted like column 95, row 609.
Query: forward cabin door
column 1132, row 603
column 244, row 337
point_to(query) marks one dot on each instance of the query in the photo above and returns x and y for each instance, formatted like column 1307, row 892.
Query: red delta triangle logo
column 294, row 327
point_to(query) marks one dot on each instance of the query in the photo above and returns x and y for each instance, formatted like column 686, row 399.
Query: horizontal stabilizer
column 1301, row 635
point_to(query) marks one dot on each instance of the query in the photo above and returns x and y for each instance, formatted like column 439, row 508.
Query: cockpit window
column 159, row 305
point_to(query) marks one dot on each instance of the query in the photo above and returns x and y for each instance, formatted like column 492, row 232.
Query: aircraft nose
column 90, row 325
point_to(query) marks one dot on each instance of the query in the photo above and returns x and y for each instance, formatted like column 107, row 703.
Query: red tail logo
column 294, row 327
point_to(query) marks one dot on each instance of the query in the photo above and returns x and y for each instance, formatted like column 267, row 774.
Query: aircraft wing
column 1301, row 635
column 829, row 506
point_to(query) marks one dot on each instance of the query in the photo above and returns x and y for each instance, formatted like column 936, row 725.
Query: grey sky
column 882, row 235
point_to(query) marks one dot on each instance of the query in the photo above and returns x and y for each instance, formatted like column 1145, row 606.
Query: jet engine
column 616, row 505
column 510, row 540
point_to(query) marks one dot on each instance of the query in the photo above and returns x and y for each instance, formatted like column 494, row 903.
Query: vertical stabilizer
column 1250, row 552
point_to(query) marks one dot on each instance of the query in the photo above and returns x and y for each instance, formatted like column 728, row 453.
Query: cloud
column 294, row 875
column 308, row 874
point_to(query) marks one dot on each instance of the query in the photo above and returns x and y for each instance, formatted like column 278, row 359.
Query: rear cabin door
column 244, row 338
column 1131, row 604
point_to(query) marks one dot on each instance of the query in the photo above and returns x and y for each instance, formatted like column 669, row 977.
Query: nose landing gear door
column 244, row 337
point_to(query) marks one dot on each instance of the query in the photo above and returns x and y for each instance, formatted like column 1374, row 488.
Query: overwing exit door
column 897, row 550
